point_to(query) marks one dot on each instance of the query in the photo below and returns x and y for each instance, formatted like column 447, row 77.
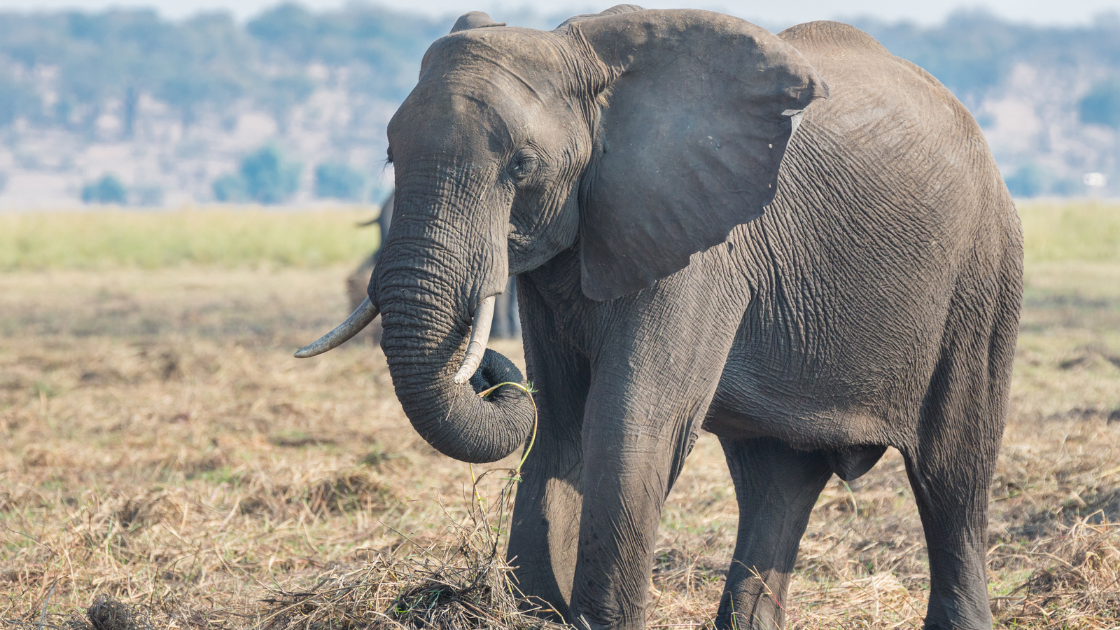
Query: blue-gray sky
column 780, row 12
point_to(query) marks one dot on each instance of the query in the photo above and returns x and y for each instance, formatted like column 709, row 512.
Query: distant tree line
column 973, row 52
column 267, row 176
column 207, row 61
column 67, row 68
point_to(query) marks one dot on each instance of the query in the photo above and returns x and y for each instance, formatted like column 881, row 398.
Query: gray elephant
column 507, row 321
column 798, row 241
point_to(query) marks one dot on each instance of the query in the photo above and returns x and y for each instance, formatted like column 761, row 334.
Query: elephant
column 796, row 241
column 507, row 322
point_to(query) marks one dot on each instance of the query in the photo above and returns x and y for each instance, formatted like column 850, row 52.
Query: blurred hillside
column 125, row 107
column 170, row 108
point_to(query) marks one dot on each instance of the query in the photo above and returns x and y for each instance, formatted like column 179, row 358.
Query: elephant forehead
column 455, row 117
column 472, row 101
column 517, row 50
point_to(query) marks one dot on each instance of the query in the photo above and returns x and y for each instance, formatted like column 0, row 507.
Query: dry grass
column 159, row 452
column 163, row 457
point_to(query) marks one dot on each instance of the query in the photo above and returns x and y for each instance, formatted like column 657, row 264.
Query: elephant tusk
column 480, row 334
column 359, row 319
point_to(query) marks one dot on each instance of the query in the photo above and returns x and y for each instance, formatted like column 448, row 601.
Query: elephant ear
column 474, row 19
column 696, row 109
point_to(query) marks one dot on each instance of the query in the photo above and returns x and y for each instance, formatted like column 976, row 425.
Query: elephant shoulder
column 859, row 70
column 828, row 44
column 829, row 34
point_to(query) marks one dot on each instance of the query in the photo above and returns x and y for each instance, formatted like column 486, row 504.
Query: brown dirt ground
column 163, row 456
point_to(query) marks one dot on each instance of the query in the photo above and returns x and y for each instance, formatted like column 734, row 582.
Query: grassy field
column 227, row 238
column 233, row 237
column 164, row 460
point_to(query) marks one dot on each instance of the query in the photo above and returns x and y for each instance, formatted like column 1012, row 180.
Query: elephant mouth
column 366, row 312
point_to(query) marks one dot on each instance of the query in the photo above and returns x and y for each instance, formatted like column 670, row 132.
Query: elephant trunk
column 426, row 311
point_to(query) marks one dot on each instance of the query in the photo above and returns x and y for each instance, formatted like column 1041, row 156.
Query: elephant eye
column 389, row 155
column 522, row 165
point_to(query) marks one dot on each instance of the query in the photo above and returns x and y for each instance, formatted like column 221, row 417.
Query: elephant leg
column 776, row 487
column 950, row 463
column 625, row 483
column 950, row 479
column 545, row 525
column 649, row 390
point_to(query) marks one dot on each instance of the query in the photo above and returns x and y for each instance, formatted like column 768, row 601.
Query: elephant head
column 643, row 137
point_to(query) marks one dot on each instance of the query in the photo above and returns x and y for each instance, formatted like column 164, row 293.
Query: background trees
column 265, row 176
column 96, row 76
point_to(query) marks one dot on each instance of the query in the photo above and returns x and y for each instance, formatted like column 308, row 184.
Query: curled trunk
column 425, row 327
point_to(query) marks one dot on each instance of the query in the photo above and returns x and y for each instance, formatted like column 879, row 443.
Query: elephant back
column 889, row 126
column 828, row 33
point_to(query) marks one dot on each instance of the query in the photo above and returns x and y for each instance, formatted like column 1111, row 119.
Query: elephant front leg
column 776, row 487
column 545, row 525
column 626, row 480
column 637, row 431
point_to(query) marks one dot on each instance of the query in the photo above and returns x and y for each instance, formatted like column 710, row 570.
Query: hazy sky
column 782, row 12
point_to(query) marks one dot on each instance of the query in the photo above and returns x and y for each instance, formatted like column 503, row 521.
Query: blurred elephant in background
column 507, row 321
column 798, row 241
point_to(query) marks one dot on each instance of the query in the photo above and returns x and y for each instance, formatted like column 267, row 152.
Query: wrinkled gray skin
column 620, row 166
column 507, row 321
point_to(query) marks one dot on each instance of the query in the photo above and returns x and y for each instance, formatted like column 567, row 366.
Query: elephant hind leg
column 950, row 471
column 951, row 460
column 776, row 487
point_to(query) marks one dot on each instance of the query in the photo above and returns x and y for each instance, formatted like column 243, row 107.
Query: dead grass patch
column 461, row 585
column 160, row 451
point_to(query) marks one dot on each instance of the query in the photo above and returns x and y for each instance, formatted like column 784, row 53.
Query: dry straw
column 161, row 457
